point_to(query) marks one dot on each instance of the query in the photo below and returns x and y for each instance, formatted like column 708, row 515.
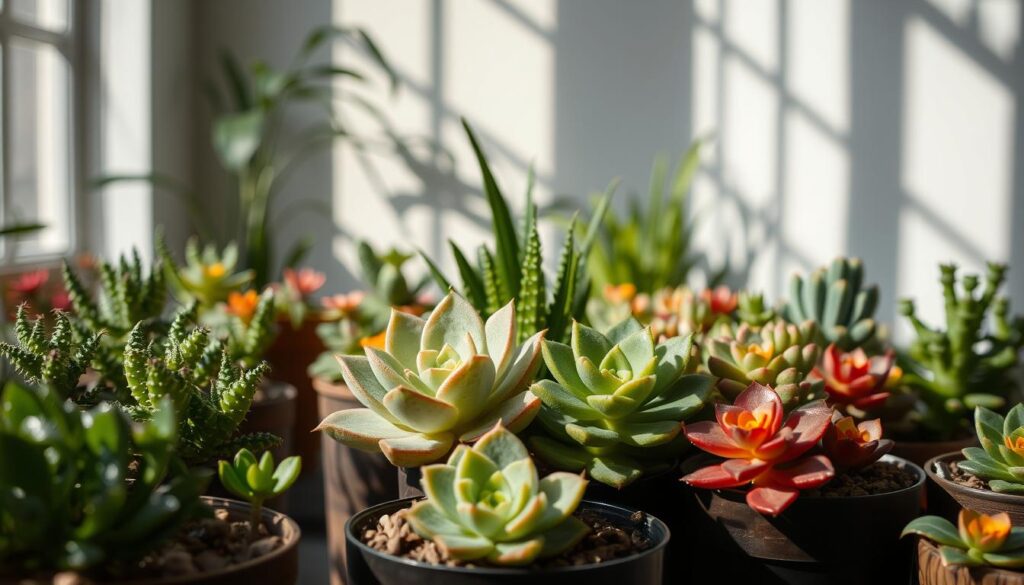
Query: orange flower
column 619, row 293
column 243, row 305
column 415, row 310
column 1015, row 444
column 721, row 300
column 983, row 532
column 376, row 341
column 304, row 281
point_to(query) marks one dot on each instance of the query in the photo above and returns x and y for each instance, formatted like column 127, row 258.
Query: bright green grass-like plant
column 488, row 503
column 84, row 489
column 617, row 401
column 513, row 269
column 258, row 481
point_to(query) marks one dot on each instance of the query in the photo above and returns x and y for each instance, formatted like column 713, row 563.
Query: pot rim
column 946, row 458
column 916, row 486
column 288, row 525
column 498, row 571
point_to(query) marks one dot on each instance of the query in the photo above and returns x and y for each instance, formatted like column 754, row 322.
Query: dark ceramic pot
column 979, row 500
column 279, row 567
column 289, row 355
column 919, row 452
column 354, row 480
column 816, row 540
column 931, row 571
column 371, row 567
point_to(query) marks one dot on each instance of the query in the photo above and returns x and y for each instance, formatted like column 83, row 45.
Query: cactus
column 58, row 360
column 962, row 366
column 513, row 269
column 246, row 340
column 834, row 299
column 488, row 503
column 437, row 382
column 779, row 354
column 616, row 401
column 212, row 398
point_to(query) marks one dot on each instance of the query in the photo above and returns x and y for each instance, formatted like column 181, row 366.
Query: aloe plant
column 1000, row 459
column 616, row 402
column 66, row 501
column 835, row 299
column 488, row 503
column 977, row 540
column 513, row 269
column 778, row 354
column 966, row 364
column 257, row 482
column 57, row 360
column 201, row 381
column 440, row 381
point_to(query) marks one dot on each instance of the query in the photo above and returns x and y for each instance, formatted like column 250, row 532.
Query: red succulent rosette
column 720, row 300
column 853, row 378
column 763, row 447
column 852, row 445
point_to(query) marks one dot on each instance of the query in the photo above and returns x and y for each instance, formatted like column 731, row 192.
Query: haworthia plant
column 437, row 382
column 616, row 402
column 835, row 298
column 488, row 503
column 513, row 269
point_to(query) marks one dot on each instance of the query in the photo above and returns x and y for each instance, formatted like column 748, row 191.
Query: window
column 37, row 126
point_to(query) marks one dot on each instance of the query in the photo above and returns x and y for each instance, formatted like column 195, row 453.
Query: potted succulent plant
column 989, row 478
column 436, row 383
column 982, row 548
column 98, row 497
column 808, row 472
column 489, row 517
column 967, row 364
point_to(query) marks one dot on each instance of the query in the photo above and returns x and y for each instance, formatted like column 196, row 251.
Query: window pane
column 48, row 14
column 40, row 145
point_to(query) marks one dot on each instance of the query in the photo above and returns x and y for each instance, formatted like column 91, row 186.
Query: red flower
column 304, row 281
column 61, row 300
column 29, row 283
column 762, row 449
column 850, row 445
column 853, row 378
column 721, row 300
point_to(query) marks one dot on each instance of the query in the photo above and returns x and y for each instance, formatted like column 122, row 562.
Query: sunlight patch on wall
column 818, row 58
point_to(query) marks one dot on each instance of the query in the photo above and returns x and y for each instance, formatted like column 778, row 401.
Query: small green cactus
column 247, row 341
column 257, row 482
column 779, row 354
column 966, row 364
column 835, row 299
column 212, row 397
column 57, row 360
column 488, row 503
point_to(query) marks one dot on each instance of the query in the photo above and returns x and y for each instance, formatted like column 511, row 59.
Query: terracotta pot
column 919, row 452
column 272, row 412
column 372, row 567
column 986, row 501
column 289, row 356
column 353, row 480
column 815, row 540
column 931, row 571
column 280, row 567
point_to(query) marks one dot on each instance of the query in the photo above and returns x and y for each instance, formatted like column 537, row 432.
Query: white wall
column 888, row 129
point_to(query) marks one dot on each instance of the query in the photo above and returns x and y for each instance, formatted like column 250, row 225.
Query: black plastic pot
column 920, row 452
column 367, row 566
column 817, row 540
column 986, row 501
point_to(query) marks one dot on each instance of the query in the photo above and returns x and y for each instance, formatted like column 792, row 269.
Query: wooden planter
column 931, row 571
column 354, row 480
column 986, row 501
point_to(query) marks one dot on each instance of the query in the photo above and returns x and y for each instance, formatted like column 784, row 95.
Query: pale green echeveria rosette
column 488, row 503
column 616, row 402
column 447, row 379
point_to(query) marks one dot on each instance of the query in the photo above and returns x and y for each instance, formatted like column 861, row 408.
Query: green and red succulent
column 854, row 379
column 437, row 382
column 488, row 503
column 1000, row 459
column 851, row 445
column 977, row 540
column 763, row 448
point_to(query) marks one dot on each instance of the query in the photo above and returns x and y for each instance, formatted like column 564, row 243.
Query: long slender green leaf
column 237, row 81
column 442, row 282
column 560, row 310
column 20, row 229
column 594, row 227
column 507, row 247
column 472, row 285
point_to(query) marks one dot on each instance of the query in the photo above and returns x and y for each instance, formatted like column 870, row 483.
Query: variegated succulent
column 438, row 381
column 779, row 354
column 488, row 503
column 616, row 402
